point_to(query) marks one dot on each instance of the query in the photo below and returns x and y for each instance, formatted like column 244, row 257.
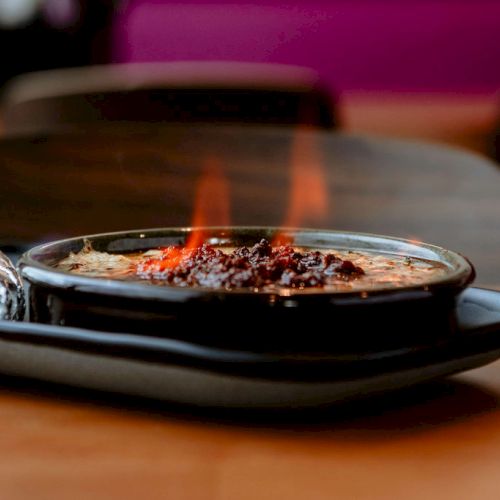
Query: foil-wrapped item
column 11, row 291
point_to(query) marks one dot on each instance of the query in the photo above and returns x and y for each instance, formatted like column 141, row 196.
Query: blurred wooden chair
column 215, row 92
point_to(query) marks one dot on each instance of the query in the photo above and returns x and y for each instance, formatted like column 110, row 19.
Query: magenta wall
column 426, row 45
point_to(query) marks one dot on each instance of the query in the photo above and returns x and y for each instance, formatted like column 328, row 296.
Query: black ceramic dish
column 343, row 324
column 188, row 373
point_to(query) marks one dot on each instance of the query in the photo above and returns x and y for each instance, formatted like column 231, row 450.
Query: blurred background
column 439, row 60
column 376, row 69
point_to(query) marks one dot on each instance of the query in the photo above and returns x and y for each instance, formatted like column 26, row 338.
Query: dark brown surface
column 71, row 185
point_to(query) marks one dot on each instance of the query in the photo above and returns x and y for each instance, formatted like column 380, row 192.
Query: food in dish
column 260, row 267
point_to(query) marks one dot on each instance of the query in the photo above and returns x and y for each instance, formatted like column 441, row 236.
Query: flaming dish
column 230, row 316
column 251, row 288
column 250, row 317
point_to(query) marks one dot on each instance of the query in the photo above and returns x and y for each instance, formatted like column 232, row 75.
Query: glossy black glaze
column 299, row 321
column 477, row 342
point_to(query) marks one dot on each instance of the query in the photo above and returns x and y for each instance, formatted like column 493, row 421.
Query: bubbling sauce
column 260, row 267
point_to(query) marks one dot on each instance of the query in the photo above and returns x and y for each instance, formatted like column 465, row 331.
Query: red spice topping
column 256, row 267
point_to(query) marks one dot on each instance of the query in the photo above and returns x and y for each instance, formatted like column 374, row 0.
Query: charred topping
column 255, row 267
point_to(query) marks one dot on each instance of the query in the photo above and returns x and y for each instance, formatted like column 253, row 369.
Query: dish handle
column 479, row 311
column 12, row 304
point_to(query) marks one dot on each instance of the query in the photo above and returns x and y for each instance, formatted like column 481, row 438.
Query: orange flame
column 308, row 201
column 211, row 208
column 211, row 205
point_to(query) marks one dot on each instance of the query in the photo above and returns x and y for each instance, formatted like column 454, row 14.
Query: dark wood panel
column 116, row 179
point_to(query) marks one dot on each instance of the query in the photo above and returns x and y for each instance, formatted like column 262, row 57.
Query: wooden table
column 437, row 441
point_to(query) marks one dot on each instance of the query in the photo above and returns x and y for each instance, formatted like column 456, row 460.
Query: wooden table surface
column 441, row 440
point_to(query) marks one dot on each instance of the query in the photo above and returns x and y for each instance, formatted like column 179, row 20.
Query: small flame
column 308, row 200
column 211, row 208
column 211, row 205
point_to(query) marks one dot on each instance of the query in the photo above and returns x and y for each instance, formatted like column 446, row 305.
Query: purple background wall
column 426, row 45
